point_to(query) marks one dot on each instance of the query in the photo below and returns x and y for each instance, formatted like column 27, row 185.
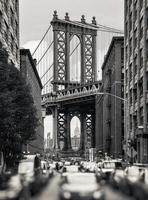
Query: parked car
column 11, row 188
column 135, row 173
column 108, row 168
column 30, row 172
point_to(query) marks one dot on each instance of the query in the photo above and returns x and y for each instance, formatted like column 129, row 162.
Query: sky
column 35, row 17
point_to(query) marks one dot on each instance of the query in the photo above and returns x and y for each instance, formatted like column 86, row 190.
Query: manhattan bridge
column 69, row 57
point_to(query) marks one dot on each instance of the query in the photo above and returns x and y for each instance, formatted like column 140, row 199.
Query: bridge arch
column 75, row 133
column 75, row 59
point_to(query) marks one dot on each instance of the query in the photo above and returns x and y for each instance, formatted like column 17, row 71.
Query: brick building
column 9, row 29
column 113, row 107
column 99, row 122
column 136, row 76
column 29, row 71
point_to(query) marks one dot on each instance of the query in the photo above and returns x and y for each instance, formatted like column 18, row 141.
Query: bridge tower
column 84, row 108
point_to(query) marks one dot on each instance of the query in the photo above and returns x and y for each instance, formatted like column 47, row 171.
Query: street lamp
column 107, row 93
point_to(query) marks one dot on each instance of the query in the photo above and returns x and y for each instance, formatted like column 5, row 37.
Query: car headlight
column 67, row 195
column 97, row 194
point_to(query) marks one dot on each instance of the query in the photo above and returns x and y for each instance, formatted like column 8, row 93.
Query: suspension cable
column 41, row 40
column 45, row 52
column 75, row 49
column 98, row 26
column 108, row 31
column 47, row 81
column 47, row 71
column 109, row 28
column 52, row 63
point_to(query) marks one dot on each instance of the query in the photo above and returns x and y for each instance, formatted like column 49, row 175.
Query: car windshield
column 25, row 167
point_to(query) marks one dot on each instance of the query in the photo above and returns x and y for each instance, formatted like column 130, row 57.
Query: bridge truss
column 65, row 97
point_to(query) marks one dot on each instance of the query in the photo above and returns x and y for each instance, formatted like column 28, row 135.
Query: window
column 12, row 43
column 141, row 28
column 122, row 54
column 6, row 32
column 147, row 112
column 130, row 96
column 141, row 116
column 141, row 58
column 130, row 72
column 6, row 6
column 126, row 29
column 12, row 17
column 130, row 3
column 16, row 5
column 135, row 38
column 16, row 28
column 126, row 52
column 135, row 120
column 147, row 80
column 130, row 46
column 135, row 65
column 141, row 88
column 141, row 4
column 122, row 73
column 130, row 22
column 126, row 76
column 135, row 92
column 16, row 47
column 0, row 21
column 135, row 10
column 130, row 122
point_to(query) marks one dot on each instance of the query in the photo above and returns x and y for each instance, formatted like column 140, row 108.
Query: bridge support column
column 55, row 131
column 68, row 132
column 82, row 139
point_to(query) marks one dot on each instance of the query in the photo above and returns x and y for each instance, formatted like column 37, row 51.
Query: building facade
column 113, row 102
column 99, row 123
column 29, row 72
column 49, row 145
column 136, row 76
column 9, row 29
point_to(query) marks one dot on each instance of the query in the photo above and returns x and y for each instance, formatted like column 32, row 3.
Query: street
column 77, row 181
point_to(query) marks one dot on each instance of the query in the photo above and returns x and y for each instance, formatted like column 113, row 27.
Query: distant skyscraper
column 77, row 131
column 49, row 141
column 9, row 28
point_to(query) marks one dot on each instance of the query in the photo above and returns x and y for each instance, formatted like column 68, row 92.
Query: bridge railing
column 71, row 93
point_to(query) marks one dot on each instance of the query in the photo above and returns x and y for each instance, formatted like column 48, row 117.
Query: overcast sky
column 35, row 17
